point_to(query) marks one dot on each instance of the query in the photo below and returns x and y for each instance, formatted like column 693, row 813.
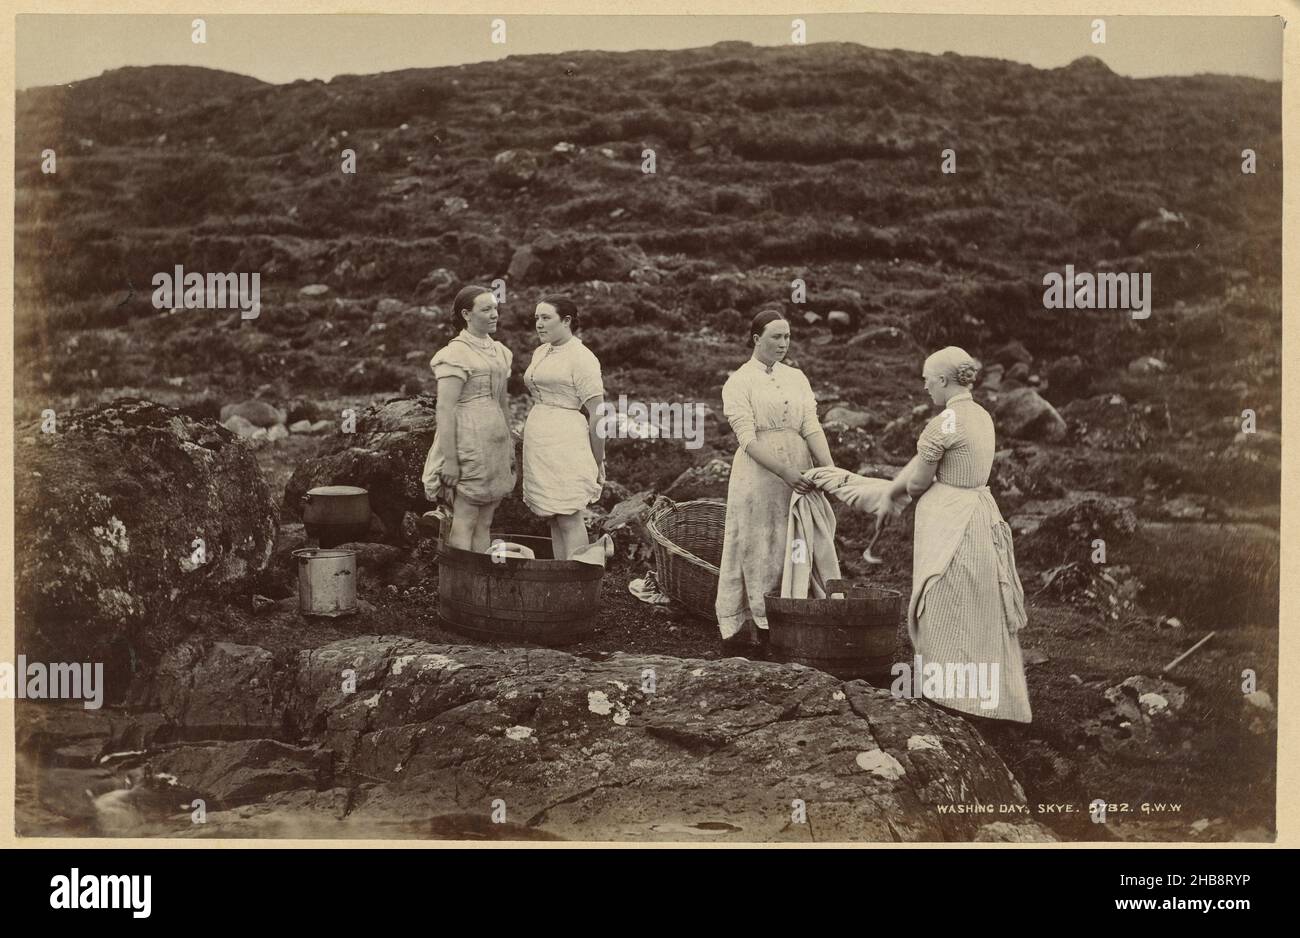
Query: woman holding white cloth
column 771, row 407
column 967, row 602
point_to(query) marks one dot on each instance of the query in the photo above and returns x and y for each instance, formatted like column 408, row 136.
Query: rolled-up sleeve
column 811, row 424
column 737, row 409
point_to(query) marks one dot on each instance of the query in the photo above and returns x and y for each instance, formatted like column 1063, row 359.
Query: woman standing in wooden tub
column 773, row 412
column 564, row 451
column 967, row 601
column 473, row 457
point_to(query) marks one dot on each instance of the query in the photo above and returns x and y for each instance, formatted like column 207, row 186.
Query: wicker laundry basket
column 687, row 540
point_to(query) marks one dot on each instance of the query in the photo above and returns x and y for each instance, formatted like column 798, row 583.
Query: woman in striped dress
column 967, row 601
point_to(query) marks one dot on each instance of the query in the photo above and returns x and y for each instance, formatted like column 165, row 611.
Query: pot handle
column 305, row 499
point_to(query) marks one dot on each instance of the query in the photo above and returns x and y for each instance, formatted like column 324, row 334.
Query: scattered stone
column 375, row 560
column 514, row 168
column 1164, row 231
column 1183, row 508
column 1143, row 711
column 314, row 289
column 389, row 306
column 301, row 409
column 991, row 378
column 629, row 514
column 1024, row 413
column 522, row 263
column 1033, row 656
column 258, row 413
column 1146, row 365
column 852, row 419
column 262, row 603
column 1107, row 421
column 706, row 481
column 304, row 426
column 881, row 335
column 437, row 280
column 277, row 433
column 839, row 319
column 239, row 426
column 1069, row 377
column 1013, row 353
column 812, row 318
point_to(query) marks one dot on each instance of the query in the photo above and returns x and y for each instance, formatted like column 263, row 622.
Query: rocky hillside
column 821, row 163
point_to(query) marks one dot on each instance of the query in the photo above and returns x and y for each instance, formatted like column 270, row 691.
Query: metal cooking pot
column 336, row 514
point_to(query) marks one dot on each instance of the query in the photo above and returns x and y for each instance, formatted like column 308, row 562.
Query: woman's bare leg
column 573, row 533
column 483, row 527
column 464, row 518
column 557, row 538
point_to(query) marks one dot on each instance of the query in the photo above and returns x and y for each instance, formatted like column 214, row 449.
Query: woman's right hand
column 449, row 475
column 796, row 481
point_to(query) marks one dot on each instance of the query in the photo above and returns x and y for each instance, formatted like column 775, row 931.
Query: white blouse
column 756, row 398
column 564, row 376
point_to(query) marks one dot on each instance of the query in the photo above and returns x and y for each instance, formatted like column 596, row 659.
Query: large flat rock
column 642, row 747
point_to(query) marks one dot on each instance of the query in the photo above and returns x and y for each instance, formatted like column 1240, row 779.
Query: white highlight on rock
column 598, row 703
column 923, row 742
column 1153, row 702
column 880, row 764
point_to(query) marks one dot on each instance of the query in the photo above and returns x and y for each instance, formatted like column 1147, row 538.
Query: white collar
column 487, row 343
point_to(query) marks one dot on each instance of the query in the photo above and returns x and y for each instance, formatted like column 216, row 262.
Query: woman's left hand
column 600, row 473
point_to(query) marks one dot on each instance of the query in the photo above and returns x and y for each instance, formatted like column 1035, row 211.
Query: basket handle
column 662, row 504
